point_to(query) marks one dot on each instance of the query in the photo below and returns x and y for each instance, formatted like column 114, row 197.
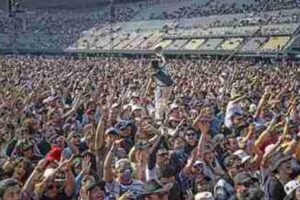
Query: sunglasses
column 125, row 171
column 191, row 134
column 76, row 136
column 52, row 186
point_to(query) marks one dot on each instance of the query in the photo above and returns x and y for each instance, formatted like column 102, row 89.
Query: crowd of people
column 59, row 29
column 221, row 7
column 128, row 129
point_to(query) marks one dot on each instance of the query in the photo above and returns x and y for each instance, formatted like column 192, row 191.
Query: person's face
column 209, row 157
column 6, row 136
column 234, row 169
column 52, row 190
column 233, row 144
column 163, row 158
column 190, row 137
column 97, row 194
column 286, row 167
column 237, row 120
column 209, row 112
column 12, row 193
column 197, row 170
column 157, row 197
column 20, row 170
column 90, row 141
column 110, row 138
column 76, row 139
column 28, row 152
column 178, row 143
column 202, row 183
column 125, row 176
column 60, row 142
column 126, row 131
column 138, row 113
column 297, row 193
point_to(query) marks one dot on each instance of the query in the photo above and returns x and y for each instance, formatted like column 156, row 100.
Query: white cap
column 136, row 107
column 291, row 186
column 242, row 155
column 204, row 196
column 173, row 106
column 48, row 172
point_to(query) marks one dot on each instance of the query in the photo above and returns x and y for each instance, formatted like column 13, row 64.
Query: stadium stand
column 211, row 44
column 164, row 44
column 275, row 43
column 231, row 44
column 177, row 44
column 194, row 44
column 254, row 44
column 150, row 41
column 141, row 38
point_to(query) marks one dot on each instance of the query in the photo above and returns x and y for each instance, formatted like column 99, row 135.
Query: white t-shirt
column 230, row 110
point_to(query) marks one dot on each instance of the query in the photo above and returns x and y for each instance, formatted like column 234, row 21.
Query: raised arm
column 266, row 133
column 29, row 184
column 261, row 104
column 99, row 141
column 108, row 172
column 152, row 155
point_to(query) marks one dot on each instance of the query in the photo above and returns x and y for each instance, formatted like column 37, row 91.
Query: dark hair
column 166, row 171
column 27, row 166
column 100, row 184
column 154, row 64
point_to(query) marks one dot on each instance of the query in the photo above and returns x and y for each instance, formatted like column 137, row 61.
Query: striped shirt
column 224, row 190
column 116, row 189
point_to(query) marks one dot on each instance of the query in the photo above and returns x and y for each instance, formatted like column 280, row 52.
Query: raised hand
column 86, row 165
column 84, row 195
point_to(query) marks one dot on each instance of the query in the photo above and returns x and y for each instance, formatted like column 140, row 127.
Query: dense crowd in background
column 58, row 29
column 88, row 129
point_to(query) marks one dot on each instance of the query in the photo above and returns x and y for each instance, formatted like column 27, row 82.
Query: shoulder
column 137, row 183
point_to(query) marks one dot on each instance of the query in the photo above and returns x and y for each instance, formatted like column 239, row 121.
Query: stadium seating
column 141, row 38
column 177, row 44
column 149, row 42
column 275, row 43
column 231, row 44
column 194, row 44
column 253, row 44
column 126, row 41
column 164, row 44
column 211, row 44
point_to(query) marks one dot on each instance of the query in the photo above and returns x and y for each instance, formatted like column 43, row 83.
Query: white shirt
column 230, row 110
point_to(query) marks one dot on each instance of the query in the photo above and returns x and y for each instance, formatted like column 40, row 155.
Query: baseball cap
column 54, row 154
column 242, row 177
column 92, row 185
column 243, row 156
column 122, row 165
column 6, row 183
column 112, row 131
